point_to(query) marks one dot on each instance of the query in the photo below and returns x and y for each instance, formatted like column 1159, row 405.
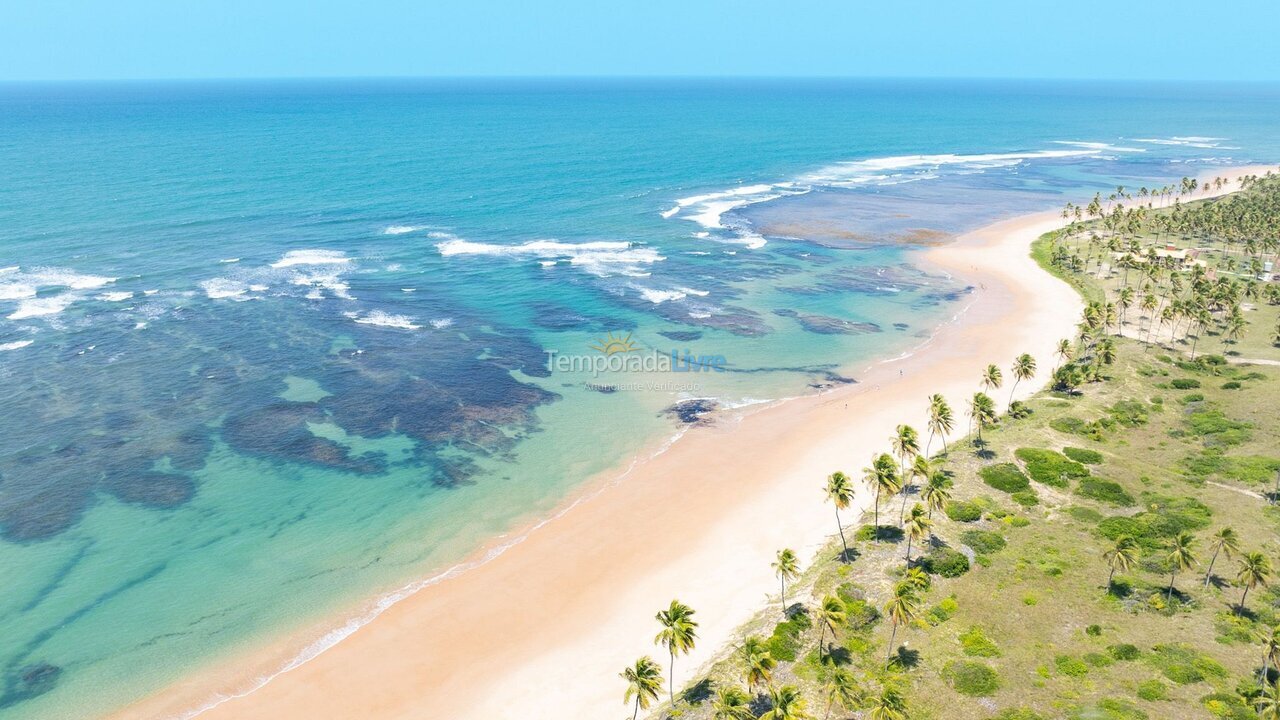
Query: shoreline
column 546, row 623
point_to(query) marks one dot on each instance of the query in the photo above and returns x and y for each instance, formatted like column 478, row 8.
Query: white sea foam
column 385, row 319
column 224, row 288
column 1099, row 146
column 43, row 307
column 401, row 229
column 1195, row 141
column 441, row 323
column 115, row 296
column 599, row 257
column 660, row 296
column 15, row 345
column 229, row 260
column 311, row 257
column 17, row 291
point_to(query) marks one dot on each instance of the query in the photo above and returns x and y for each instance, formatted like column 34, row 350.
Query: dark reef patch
column 681, row 335
column 826, row 325
column 693, row 412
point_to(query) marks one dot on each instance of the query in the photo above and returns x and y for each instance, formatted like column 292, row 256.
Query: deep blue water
column 269, row 348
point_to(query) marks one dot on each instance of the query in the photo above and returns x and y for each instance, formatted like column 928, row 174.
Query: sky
column 1087, row 39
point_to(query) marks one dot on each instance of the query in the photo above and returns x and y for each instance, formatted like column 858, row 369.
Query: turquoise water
column 272, row 349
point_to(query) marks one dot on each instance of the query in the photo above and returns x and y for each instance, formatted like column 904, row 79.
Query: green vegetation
column 1120, row 595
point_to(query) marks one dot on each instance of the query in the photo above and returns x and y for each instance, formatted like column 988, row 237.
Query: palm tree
column 1181, row 557
column 982, row 409
column 732, row 703
column 1268, row 703
column 759, row 662
column 678, row 635
column 842, row 689
column 889, row 705
column 991, row 378
column 901, row 609
column 1225, row 541
column 840, row 493
column 936, row 493
column 1024, row 368
column 644, row 682
column 787, row 703
column 1270, row 651
column 917, row 526
column 883, row 477
column 1255, row 570
column 906, row 445
column 831, row 614
column 786, row 567
column 1064, row 352
column 1121, row 556
column 940, row 421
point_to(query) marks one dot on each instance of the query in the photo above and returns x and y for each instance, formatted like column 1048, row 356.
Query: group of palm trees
column 1254, row 567
column 889, row 474
column 1244, row 228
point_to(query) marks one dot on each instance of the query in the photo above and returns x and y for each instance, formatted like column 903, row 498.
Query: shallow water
column 269, row 349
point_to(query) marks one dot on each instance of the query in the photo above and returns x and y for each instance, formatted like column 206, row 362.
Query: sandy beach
column 542, row 630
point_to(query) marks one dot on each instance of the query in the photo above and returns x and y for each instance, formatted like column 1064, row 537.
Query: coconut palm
column 882, row 476
column 917, row 527
column 1181, row 557
column 1268, row 703
column 840, row 493
column 1024, row 368
column 906, row 445
column 1270, row 640
column 982, row 409
column 1225, row 541
column 831, row 614
column 678, row 635
column 1255, row 570
column 842, row 690
column 786, row 567
column 936, row 492
column 901, row 609
column 1064, row 352
column 1121, row 556
column 940, row 421
column 644, row 682
column 917, row 578
column 787, row 704
column 732, row 703
column 889, row 705
column 992, row 378
column 758, row 661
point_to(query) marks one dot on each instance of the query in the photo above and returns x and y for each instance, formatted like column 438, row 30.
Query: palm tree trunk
column 1013, row 390
column 1110, row 576
column 944, row 447
column 636, row 713
column 1263, row 678
column 902, row 511
column 909, row 539
column 892, row 637
column 1169, row 595
column 928, row 443
column 876, row 518
column 1209, row 573
column 822, row 634
column 671, row 680
column 1243, row 595
column 783, row 580
column 843, row 544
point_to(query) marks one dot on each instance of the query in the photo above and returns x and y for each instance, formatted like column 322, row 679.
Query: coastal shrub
column 1104, row 491
column 1131, row 413
column 1185, row 383
column 943, row 611
column 1231, row 385
column 1191, row 398
column 1026, row 498
column 972, row 678
column 1050, row 468
column 1068, row 424
column 1070, row 666
column 1085, row 514
column 1005, row 476
column 1098, row 660
column 1124, row 651
column 962, row 511
column 1215, row 428
column 784, row 643
column 860, row 615
column 1110, row 709
column 1152, row 690
column 1227, row 706
column 1166, row 517
column 983, row 541
column 976, row 644
column 945, row 562
column 1083, row 455
column 1093, row 631
column 1249, row 469
column 888, row 533
column 1016, row 521
column 1184, row 665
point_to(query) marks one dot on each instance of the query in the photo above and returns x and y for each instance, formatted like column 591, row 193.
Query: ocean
column 275, row 354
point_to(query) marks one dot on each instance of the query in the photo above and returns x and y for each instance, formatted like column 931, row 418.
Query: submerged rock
column 826, row 325
column 694, row 411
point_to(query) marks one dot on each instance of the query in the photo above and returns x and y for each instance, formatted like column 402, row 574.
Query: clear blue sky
column 1170, row 39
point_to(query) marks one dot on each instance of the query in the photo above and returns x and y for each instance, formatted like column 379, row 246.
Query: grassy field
column 1016, row 619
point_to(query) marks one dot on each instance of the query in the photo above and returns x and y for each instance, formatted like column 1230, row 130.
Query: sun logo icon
column 611, row 344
